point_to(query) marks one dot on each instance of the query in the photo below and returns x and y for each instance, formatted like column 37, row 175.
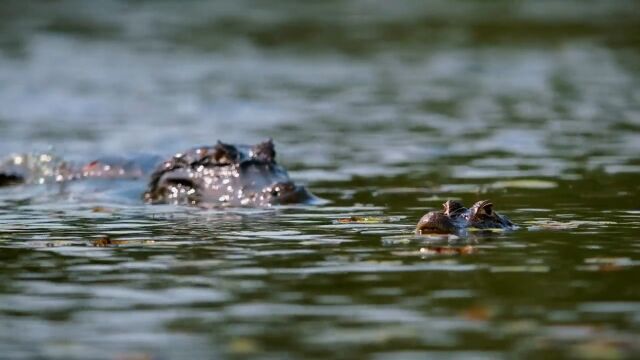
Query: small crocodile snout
column 435, row 222
column 289, row 193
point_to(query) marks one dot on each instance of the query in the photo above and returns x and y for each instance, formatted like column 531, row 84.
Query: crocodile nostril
column 282, row 189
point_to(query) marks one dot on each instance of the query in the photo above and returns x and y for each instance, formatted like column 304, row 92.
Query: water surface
column 386, row 109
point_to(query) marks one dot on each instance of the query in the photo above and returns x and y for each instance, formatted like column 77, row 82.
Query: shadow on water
column 386, row 109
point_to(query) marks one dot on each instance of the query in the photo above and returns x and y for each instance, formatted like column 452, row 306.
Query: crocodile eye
column 264, row 151
column 275, row 191
column 225, row 154
column 488, row 208
column 451, row 207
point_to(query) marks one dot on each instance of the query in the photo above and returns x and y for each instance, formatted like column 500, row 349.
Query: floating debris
column 102, row 209
column 243, row 346
column 605, row 264
column 366, row 219
column 478, row 313
column 538, row 225
column 105, row 241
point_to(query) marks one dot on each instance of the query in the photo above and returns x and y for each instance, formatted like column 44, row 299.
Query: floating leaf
column 105, row 241
column 448, row 250
column 605, row 264
column 243, row 346
column 524, row 184
column 521, row 268
column 599, row 349
column 477, row 313
column 458, row 188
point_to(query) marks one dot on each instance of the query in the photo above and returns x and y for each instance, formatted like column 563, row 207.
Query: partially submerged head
column 453, row 208
column 112, row 168
column 455, row 217
column 482, row 216
column 236, row 175
column 442, row 222
column 435, row 222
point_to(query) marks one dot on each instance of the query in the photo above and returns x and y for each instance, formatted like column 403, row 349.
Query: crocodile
column 455, row 218
column 236, row 175
column 44, row 168
column 222, row 174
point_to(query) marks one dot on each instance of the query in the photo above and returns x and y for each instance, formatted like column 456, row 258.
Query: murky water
column 384, row 108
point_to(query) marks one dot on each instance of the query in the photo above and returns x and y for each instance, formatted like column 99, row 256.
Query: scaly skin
column 224, row 174
column 455, row 218
column 34, row 169
column 46, row 168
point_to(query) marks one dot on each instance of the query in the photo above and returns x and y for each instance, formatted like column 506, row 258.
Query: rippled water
column 384, row 108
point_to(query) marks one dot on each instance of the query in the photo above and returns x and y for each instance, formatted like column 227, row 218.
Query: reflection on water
column 387, row 109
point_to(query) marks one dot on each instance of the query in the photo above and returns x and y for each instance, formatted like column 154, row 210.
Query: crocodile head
column 455, row 217
column 225, row 174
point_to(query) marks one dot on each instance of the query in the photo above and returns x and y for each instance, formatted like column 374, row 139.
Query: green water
column 386, row 109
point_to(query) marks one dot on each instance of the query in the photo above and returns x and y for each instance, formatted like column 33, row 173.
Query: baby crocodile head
column 482, row 216
column 225, row 174
column 436, row 222
column 455, row 217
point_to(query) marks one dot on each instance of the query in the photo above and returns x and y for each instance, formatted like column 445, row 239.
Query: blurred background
column 385, row 108
column 424, row 78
